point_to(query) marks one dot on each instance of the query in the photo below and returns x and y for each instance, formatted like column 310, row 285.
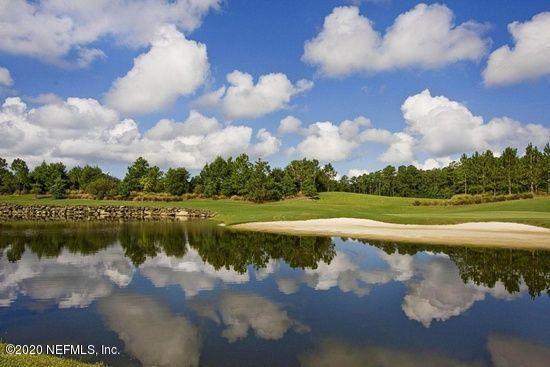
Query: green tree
column 133, row 179
column 257, row 186
column 7, row 180
column 21, row 175
column 152, row 180
column 494, row 172
column 326, row 178
column 276, row 184
column 304, row 173
column 344, row 184
column 79, row 177
column 49, row 177
column 213, row 177
column 176, row 181
column 465, row 171
column 532, row 167
column 309, row 189
column 388, row 177
column 240, row 172
column 407, row 181
column 510, row 162
column 546, row 166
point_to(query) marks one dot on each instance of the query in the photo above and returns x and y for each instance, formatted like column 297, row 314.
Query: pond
column 193, row 293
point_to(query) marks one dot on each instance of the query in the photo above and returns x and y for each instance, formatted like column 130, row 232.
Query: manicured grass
column 338, row 204
column 7, row 360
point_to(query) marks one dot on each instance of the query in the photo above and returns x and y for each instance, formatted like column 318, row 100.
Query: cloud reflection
column 241, row 312
column 150, row 331
column 190, row 272
column 346, row 272
column 438, row 292
column 69, row 280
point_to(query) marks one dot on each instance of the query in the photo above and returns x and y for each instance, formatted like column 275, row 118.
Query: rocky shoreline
column 12, row 212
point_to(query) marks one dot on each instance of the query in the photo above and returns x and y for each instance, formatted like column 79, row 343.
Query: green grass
column 338, row 204
column 7, row 360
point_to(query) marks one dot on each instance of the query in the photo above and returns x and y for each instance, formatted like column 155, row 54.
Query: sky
column 359, row 84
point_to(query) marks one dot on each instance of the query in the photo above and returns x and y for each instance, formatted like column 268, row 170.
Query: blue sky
column 263, row 37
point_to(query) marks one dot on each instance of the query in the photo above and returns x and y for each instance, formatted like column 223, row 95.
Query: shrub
column 79, row 194
column 102, row 187
column 156, row 197
column 467, row 199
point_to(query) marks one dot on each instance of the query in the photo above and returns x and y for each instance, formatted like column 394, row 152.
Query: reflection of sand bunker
column 504, row 351
column 337, row 353
column 496, row 234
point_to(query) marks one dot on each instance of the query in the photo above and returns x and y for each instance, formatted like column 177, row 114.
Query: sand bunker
column 495, row 234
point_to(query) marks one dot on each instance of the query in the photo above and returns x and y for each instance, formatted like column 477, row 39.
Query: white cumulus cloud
column 327, row 141
column 173, row 67
column 289, row 125
column 81, row 130
column 267, row 144
column 528, row 59
column 245, row 99
column 444, row 127
column 424, row 37
column 354, row 172
column 51, row 29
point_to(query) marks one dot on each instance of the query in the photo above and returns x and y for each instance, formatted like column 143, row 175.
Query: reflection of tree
column 484, row 266
column 220, row 247
column 225, row 248
column 49, row 239
column 142, row 240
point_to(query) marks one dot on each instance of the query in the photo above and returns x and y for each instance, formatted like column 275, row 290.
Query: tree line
column 255, row 181
column 480, row 173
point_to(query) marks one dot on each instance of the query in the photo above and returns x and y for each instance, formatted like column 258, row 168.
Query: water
column 179, row 294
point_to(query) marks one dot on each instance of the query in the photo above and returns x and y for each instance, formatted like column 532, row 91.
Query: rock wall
column 11, row 212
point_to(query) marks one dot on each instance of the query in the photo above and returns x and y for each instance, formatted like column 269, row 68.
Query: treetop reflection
column 227, row 249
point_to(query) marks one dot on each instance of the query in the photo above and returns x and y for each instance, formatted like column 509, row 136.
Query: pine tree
column 547, row 166
column 510, row 162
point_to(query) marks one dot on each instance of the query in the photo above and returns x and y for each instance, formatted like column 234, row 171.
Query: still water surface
column 189, row 294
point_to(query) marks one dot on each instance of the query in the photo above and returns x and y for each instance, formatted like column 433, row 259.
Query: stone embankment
column 11, row 212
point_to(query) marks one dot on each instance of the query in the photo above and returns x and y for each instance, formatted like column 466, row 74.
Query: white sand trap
column 494, row 234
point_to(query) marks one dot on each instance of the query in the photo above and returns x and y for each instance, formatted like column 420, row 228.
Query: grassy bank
column 338, row 204
column 7, row 360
